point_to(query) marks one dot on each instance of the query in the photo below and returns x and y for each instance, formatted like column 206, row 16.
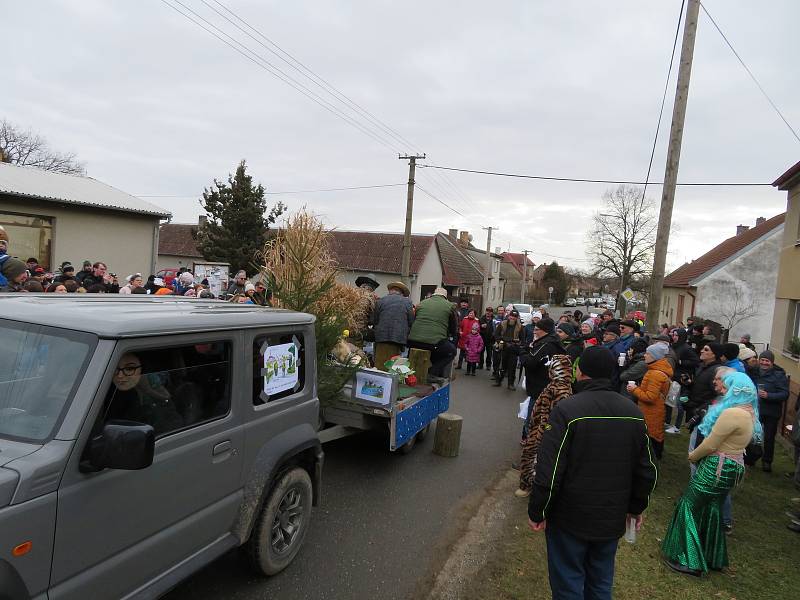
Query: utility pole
column 524, row 275
column 673, row 159
column 412, row 167
column 487, row 276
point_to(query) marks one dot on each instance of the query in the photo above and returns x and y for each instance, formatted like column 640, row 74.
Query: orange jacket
column 651, row 394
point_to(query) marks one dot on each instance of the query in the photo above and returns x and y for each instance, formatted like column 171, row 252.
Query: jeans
column 579, row 570
column 695, row 439
column 770, row 425
column 678, row 418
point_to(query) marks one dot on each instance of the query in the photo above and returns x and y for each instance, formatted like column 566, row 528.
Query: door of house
column 681, row 298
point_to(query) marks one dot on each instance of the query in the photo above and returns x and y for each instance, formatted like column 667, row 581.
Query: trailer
column 375, row 400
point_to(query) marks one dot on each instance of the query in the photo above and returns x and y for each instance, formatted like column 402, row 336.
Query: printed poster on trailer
column 280, row 368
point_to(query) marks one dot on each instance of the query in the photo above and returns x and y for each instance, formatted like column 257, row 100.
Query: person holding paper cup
column 650, row 396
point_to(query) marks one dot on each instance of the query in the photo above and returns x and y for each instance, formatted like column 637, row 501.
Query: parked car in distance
column 580, row 301
column 570, row 302
column 525, row 312
column 142, row 437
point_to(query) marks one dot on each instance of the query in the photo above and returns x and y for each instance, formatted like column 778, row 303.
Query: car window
column 171, row 388
column 278, row 366
column 40, row 369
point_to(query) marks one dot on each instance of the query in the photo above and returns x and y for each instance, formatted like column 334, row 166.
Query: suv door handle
column 221, row 448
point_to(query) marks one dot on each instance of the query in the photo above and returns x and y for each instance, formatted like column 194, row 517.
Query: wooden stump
column 448, row 434
column 420, row 361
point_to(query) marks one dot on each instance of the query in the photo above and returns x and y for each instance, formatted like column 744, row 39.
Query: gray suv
column 142, row 437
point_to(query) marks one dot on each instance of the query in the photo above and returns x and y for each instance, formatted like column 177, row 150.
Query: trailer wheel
column 408, row 446
column 282, row 524
column 423, row 433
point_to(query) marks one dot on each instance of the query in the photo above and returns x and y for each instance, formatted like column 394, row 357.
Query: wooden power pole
column 524, row 276
column 406, row 264
column 673, row 159
column 488, row 274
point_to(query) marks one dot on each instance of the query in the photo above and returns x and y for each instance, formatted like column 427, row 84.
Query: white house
column 733, row 283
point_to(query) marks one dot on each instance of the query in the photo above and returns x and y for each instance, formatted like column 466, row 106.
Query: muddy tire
column 408, row 446
column 423, row 433
column 282, row 524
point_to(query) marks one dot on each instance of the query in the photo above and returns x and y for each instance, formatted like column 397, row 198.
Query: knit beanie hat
column 13, row 268
column 746, row 354
column 768, row 354
column 716, row 349
column 614, row 328
column 730, row 351
column 597, row 362
column 657, row 351
column 567, row 328
column 546, row 325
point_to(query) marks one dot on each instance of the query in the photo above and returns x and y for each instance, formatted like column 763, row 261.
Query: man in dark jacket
column 101, row 276
column 544, row 345
column 487, row 327
column 686, row 363
column 392, row 321
column 510, row 337
column 701, row 386
column 773, row 391
column 594, row 470
column 567, row 335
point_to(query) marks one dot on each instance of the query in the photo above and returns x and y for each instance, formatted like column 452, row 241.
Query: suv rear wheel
column 282, row 524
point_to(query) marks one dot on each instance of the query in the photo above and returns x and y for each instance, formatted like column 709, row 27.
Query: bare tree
column 30, row 149
column 732, row 306
column 621, row 240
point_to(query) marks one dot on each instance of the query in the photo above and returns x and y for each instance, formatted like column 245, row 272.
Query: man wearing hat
column 14, row 272
column 567, row 335
column 86, row 271
column 392, row 320
column 594, row 471
column 509, row 337
column 435, row 328
column 701, row 388
column 745, row 339
column 545, row 344
column 730, row 357
column 773, row 391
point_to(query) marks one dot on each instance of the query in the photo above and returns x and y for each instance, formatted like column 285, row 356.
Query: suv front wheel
column 282, row 524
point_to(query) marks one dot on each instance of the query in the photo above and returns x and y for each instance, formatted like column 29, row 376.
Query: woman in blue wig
column 695, row 541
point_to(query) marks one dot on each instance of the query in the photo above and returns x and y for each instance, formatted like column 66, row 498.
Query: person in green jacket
column 435, row 328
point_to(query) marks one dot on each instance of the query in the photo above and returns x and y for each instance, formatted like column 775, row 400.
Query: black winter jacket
column 701, row 390
column 535, row 362
column 686, row 364
column 776, row 385
column 594, row 464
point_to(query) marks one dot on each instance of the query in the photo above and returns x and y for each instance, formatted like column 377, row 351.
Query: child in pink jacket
column 473, row 345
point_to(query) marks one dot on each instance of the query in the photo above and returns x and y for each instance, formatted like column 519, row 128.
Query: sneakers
column 672, row 429
column 520, row 493
column 794, row 515
column 727, row 528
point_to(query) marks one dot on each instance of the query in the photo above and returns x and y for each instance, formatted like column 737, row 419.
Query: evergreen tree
column 238, row 221
column 555, row 277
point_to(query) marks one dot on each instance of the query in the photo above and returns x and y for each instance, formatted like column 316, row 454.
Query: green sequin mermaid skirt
column 695, row 537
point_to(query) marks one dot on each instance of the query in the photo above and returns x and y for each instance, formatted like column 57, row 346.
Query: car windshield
column 40, row 368
column 523, row 308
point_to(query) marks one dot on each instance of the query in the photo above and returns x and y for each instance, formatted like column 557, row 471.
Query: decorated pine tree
column 237, row 221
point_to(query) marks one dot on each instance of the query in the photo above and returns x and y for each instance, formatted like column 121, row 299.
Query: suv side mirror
column 124, row 445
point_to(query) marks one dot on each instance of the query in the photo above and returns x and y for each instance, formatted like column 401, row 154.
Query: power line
column 750, row 73
column 276, row 72
column 583, row 180
column 340, row 189
column 427, row 193
column 307, row 72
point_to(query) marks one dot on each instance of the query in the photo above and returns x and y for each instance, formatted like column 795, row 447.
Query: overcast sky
column 156, row 106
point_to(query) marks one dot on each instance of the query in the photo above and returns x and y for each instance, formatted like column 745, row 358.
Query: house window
column 792, row 323
column 29, row 236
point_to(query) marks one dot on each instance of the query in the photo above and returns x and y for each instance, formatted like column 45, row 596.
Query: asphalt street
column 387, row 520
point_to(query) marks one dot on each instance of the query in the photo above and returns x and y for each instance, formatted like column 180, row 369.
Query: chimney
column 463, row 238
column 760, row 221
column 453, row 233
column 740, row 229
column 202, row 220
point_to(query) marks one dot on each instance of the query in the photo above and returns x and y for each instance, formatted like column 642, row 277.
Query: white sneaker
column 672, row 429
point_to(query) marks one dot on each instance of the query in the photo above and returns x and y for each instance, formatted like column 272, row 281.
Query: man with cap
column 435, row 328
column 652, row 393
column 594, row 471
column 509, row 337
column 745, row 339
column 773, row 391
column 487, row 326
column 627, row 329
column 701, row 386
column 86, row 271
column 392, row 320
column 14, row 272
column 535, row 361
column 67, row 273
column 363, row 322
column 567, row 336
column 730, row 357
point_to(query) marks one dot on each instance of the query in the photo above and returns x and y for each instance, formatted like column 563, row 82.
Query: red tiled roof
column 458, row 267
column 517, row 259
column 377, row 252
column 784, row 182
column 178, row 240
column 682, row 276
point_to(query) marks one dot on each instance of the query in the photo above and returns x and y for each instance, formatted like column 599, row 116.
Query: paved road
column 386, row 519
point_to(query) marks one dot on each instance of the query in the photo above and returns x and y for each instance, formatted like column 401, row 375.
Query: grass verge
column 762, row 551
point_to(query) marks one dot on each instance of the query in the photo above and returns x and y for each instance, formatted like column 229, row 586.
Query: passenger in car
column 140, row 397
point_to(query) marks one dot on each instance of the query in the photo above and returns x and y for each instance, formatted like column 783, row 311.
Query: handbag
column 752, row 452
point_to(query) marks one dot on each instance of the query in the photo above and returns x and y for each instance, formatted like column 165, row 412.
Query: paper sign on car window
column 280, row 368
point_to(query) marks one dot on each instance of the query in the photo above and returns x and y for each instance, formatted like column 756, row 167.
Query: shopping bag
column 673, row 394
column 523, row 408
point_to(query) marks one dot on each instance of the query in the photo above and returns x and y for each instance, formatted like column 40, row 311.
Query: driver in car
column 141, row 397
